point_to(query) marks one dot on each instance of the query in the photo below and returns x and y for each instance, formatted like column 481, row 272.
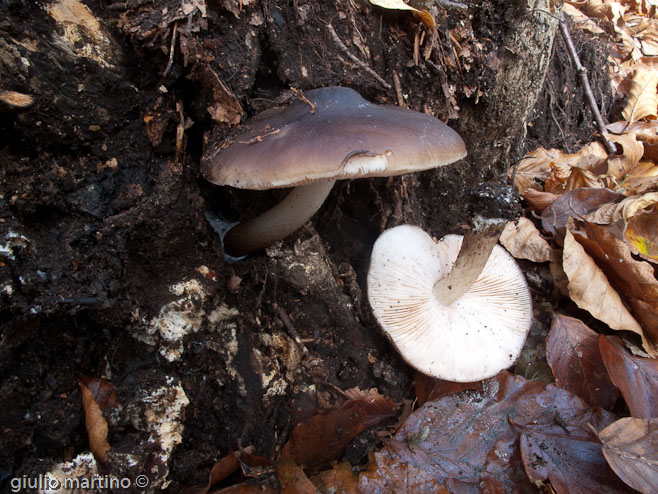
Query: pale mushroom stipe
column 468, row 339
column 332, row 134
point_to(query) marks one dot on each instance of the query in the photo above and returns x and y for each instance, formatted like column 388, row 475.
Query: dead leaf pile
column 597, row 215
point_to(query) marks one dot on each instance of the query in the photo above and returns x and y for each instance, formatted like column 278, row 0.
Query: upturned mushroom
column 466, row 339
column 332, row 134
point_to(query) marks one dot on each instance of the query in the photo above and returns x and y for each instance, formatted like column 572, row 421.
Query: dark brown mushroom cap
column 346, row 137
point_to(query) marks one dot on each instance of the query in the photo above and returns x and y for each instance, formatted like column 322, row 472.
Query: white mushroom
column 470, row 339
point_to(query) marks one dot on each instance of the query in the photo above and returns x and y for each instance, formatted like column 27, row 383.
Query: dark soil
column 102, row 219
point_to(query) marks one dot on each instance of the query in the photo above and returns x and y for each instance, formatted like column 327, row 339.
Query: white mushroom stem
column 474, row 253
column 290, row 214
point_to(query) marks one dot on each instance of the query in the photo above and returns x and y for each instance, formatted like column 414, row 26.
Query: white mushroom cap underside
column 479, row 335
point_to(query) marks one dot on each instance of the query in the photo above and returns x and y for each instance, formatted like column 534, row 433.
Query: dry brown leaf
column 292, row 478
column 641, row 231
column 589, row 158
column 468, row 439
column 321, row 438
column 643, row 131
column 629, row 153
column 538, row 200
column 339, row 480
column 630, row 446
column 634, row 280
column 569, row 458
column 642, row 97
column 424, row 15
column 574, row 204
column 523, row 241
column 636, row 377
column 590, row 290
column 572, row 351
column 643, row 177
column 534, row 168
column 95, row 423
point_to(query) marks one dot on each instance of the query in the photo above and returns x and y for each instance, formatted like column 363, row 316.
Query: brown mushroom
column 333, row 134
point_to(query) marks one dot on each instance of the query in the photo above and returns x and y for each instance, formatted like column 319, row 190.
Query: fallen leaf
column 538, row 200
column 575, row 203
column 95, row 423
column 424, row 15
column 339, row 480
column 292, row 478
column 641, row 218
column 464, row 438
column 629, row 153
column 642, row 98
column 572, row 351
column 636, row 377
column 322, row 437
column 634, row 280
column 569, row 458
column 429, row 389
column 590, row 290
column 523, row 241
column 630, row 445
column 643, row 177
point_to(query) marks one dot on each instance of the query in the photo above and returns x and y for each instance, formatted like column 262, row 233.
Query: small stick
column 584, row 81
column 398, row 89
column 171, row 50
column 285, row 319
column 354, row 59
column 300, row 95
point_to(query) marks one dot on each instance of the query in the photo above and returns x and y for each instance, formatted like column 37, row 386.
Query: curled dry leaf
column 538, row 200
column 575, row 203
column 94, row 393
column 643, row 177
column 622, row 162
column 572, row 351
column 523, row 241
column 630, row 446
column 641, row 232
column 590, row 290
column 636, row 377
column 643, row 131
column 642, row 97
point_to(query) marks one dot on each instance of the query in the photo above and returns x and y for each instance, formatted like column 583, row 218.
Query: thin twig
column 172, row 47
column 584, row 81
column 398, row 89
column 354, row 59
column 287, row 323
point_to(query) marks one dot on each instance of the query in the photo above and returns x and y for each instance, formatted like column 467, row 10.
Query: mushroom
column 468, row 339
column 331, row 133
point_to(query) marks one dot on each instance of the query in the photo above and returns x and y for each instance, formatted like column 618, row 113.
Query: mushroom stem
column 291, row 213
column 473, row 256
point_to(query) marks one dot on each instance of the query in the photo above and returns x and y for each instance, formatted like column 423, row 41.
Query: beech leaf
column 321, row 438
column 572, row 351
column 633, row 279
column 642, row 97
column 95, row 423
column 630, row 445
column 569, row 458
column 424, row 15
column 636, row 377
column 523, row 241
column 464, row 440
column 590, row 290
